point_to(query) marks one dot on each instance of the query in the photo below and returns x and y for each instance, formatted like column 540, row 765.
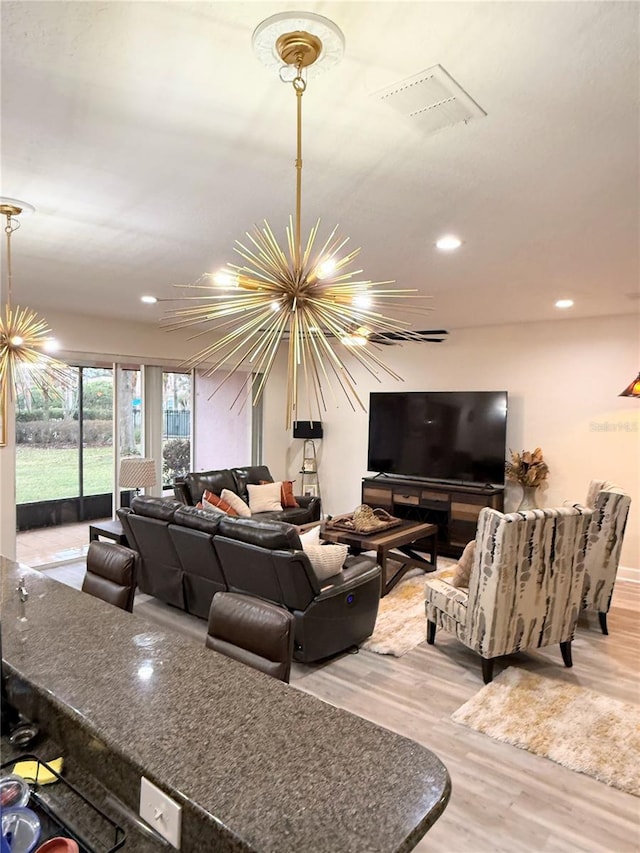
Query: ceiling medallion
column 25, row 337
column 305, row 293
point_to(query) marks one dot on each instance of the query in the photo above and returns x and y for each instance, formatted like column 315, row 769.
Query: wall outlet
column 160, row 812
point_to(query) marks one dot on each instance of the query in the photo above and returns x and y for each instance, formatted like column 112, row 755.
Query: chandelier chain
column 9, row 228
column 299, row 86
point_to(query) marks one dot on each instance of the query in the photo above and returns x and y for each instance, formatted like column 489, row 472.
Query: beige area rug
column 402, row 624
column 578, row 728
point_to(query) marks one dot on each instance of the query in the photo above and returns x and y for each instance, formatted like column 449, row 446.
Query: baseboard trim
column 627, row 573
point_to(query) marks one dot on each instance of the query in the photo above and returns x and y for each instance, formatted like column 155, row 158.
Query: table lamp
column 137, row 473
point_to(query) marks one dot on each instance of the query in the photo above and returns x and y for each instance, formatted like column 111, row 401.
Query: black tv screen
column 452, row 436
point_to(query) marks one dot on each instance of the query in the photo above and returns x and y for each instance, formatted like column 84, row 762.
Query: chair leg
column 565, row 648
column 603, row 622
column 431, row 632
column 487, row 670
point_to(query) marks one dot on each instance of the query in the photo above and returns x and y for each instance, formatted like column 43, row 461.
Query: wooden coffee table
column 394, row 543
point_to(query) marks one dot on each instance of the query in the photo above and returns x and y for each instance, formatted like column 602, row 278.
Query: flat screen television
column 449, row 436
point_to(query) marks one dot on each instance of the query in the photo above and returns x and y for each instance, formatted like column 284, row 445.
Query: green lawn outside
column 48, row 473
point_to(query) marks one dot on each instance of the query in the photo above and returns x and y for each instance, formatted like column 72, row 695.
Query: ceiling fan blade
column 419, row 336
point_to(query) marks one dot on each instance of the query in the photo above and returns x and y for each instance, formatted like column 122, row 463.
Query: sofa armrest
column 313, row 504
column 356, row 571
column 181, row 492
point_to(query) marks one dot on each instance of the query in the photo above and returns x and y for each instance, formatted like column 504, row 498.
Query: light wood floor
column 504, row 798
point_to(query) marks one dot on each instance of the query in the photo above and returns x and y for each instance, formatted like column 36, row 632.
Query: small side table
column 109, row 530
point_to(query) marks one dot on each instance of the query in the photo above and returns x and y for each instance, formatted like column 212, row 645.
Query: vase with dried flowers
column 529, row 469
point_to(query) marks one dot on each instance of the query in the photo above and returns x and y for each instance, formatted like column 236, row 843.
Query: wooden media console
column 454, row 508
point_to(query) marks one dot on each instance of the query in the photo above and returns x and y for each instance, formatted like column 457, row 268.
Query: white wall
column 222, row 434
column 563, row 380
column 82, row 334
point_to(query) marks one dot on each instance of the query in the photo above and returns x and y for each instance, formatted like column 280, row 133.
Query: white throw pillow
column 310, row 537
column 265, row 498
column 236, row 502
column 326, row 560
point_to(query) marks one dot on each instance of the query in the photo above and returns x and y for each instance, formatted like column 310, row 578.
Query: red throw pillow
column 210, row 498
column 286, row 493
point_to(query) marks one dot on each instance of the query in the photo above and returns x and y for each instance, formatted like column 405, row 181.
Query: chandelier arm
column 267, row 359
column 242, row 395
column 266, row 268
column 219, row 346
column 191, row 318
column 326, row 251
column 269, row 240
column 311, row 350
column 250, row 328
column 346, row 383
column 260, row 263
column 273, row 334
column 305, row 260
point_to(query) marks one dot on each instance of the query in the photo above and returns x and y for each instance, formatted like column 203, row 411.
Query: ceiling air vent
column 432, row 99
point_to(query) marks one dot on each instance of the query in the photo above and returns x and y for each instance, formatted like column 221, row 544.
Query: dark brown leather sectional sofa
column 187, row 555
column 189, row 490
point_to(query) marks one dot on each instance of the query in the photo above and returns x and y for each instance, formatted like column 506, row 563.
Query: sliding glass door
column 64, row 451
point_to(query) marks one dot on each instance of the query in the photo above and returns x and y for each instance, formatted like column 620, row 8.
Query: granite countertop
column 256, row 764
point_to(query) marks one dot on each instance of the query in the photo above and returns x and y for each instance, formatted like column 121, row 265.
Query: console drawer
column 435, row 500
column 406, row 498
column 465, row 510
column 376, row 497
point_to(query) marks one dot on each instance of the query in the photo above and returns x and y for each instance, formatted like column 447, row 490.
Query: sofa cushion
column 152, row 507
column 236, row 503
column 265, row 498
column 267, row 534
column 198, row 519
column 292, row 515
column 214, row 481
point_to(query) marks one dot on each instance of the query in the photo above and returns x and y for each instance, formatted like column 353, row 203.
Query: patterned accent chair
column 526, row 585
column 610, row 506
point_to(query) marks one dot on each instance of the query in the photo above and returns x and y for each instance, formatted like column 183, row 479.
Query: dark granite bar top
column 256, row 764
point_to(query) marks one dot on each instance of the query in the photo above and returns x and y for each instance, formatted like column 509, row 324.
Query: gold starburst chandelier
column 306, row 295
column 25, row 337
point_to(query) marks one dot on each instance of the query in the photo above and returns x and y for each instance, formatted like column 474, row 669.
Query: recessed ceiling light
column 149, row 300
column 448, row 243
column 564, row 303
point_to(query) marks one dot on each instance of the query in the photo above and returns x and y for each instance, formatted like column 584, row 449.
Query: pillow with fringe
column 236, row 503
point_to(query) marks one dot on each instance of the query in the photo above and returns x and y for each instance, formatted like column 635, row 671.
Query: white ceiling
column 149, row 138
